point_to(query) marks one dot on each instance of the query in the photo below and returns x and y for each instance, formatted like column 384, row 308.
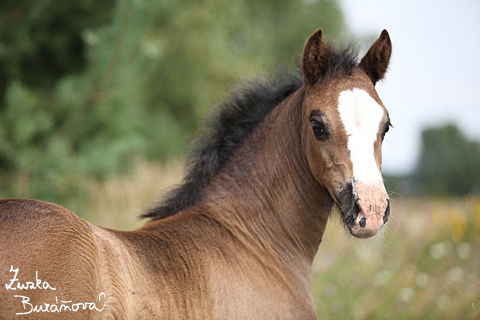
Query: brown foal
column 236, row 240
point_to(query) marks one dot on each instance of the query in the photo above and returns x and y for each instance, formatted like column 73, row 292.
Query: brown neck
column 266, row 195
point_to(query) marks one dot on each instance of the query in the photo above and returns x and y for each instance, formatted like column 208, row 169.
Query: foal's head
column 345, row 123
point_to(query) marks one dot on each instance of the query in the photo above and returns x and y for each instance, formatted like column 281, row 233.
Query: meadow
column 425, row 265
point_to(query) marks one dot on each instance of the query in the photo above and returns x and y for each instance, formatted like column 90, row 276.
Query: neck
column 266, row 195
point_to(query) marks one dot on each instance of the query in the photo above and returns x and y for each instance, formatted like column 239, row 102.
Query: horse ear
column 316, row 58
column 375, row 62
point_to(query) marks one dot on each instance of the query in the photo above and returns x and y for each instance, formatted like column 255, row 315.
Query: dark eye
column 387, row 127
column 318, row 129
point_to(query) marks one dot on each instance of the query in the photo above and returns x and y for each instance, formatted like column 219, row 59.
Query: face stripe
column 361, row 116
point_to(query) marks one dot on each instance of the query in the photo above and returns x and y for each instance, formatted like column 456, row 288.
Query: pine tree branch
column 115, row 55
column 112, row 65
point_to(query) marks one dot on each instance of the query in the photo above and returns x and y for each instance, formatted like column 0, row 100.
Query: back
column 46, row 257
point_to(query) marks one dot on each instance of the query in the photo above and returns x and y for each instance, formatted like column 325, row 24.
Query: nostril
column 363, row 222
column 387, row 212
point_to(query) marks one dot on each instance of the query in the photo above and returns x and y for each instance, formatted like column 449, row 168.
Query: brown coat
column 241, row 249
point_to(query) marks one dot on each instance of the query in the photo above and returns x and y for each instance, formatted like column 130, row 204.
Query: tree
column 449, row 162
column 86, row 86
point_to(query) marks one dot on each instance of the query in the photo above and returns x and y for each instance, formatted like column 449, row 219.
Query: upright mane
column 231, row 122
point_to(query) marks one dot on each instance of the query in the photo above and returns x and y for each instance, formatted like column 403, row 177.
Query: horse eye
column 387, row 127
column 318, row 129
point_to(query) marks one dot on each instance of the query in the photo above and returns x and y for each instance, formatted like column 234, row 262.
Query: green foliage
column 40, row 40
column 86, row 86
column 449, row 162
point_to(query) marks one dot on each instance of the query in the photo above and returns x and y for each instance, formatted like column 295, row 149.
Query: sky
column 434, row 73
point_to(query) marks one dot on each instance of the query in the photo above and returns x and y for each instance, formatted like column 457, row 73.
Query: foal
column 237, row 238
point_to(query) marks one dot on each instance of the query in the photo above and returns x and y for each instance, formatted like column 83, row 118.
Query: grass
column 118, row 203
column 425, row 266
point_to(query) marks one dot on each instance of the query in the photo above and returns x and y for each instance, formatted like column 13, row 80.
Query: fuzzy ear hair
column 316, row 58
column 375, row 62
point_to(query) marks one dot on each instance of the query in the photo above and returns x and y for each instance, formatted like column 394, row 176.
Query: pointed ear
column 316, row 58
column 375, row 62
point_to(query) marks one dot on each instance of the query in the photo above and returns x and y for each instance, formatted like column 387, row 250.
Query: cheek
column 339, row 168
column 315, row 158
column 329, row 163
column 319, row 161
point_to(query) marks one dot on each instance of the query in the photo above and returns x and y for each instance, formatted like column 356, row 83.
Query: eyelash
column 387, row 127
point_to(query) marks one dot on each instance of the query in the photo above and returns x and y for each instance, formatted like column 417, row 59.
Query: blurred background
column 99, row 101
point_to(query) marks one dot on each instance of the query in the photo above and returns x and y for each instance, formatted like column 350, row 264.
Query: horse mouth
column 362, row 223
column 355, row 221
column 349, row 214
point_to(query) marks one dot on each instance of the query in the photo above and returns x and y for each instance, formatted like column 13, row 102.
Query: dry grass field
column 426, row 265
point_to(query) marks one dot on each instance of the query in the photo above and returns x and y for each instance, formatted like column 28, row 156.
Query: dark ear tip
column 384, row 35
column 317, row 34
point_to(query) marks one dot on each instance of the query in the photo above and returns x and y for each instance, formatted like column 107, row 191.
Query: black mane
column 230, row 124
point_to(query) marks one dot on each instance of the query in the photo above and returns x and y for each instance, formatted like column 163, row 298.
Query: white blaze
column 361, row 116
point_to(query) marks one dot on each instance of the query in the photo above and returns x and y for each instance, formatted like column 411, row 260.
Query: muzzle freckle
column 363, row 222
